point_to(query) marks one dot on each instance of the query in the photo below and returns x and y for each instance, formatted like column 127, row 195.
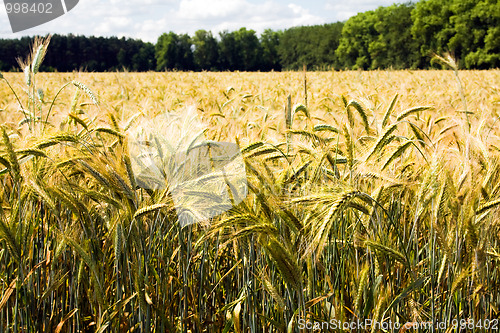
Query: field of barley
column 371, row 195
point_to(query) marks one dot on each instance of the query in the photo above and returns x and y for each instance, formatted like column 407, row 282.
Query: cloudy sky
column 147, row 19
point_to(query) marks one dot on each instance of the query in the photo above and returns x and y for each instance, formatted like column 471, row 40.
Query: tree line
column 397, row 36
column 68, row 53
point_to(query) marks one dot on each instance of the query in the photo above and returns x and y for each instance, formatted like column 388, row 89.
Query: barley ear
column 363, row 281
column 411, row 111
column 285, row 262
column 389, row 111
column 349, row 146
column 397, row 153
column 41, row 49
column 87, row 91
column 11, row 156
column 362, row 113
column 382, row 141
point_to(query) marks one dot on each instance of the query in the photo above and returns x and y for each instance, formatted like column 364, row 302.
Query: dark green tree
column 144, row 59
column 313, row 46
column 476, row 27
column 240, row 50
column 229, row 51
column 468, row 29
column 269, row 41
column 431, row 28
column 379, row 39
column 174, row 52
column 353, row 51
column 328, row 39
column 206, row 50
column 249, row 50
column 394, row 46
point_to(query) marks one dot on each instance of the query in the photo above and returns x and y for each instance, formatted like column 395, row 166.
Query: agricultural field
column 371, row 195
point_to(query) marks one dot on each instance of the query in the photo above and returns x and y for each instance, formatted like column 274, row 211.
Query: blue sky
column 147, row 19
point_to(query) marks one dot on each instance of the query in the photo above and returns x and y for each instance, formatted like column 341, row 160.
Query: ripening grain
column 375, row 200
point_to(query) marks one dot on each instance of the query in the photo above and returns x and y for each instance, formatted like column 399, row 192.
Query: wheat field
column 372, row 195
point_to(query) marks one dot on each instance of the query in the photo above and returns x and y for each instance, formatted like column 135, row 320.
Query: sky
column 148, row 19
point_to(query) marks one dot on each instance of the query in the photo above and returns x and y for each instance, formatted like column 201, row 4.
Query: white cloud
column 138, row 19
column 201, row 10
column 148, row 19
column 343, row 10
column 219, row 15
